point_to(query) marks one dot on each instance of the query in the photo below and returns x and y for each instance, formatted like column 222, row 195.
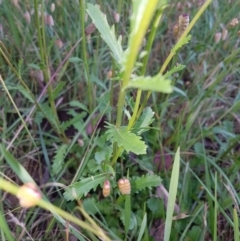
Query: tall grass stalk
column 40, row 25
column 84, row 53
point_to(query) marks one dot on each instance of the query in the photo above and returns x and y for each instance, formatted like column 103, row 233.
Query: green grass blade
column 4, row 227
column 127, row 212
column 236, row 225
column 142, row 228
column 183, row 236
column 215, row 210
column 172, row 195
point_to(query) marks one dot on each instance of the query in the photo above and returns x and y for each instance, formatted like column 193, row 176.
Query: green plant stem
column 13, row 189
column 44, row 60
column 151, row 38
column 170, row 56
column 84, row 52
column 135, row 41
column 111, row 97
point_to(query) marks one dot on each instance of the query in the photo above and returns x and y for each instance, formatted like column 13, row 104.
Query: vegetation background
column 62, row 126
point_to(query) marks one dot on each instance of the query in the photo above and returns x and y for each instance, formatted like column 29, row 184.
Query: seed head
column 224, row 34
column 52, row 7
column 28, row 195
column 175, row 31
column 59, row 43
column 49, row 20
column 183, row 22
column 106, row 188
column 27, row 17
column 217, row 37
column 116, row 17
column 234, row 22
column 124, row 186
column 90, row 29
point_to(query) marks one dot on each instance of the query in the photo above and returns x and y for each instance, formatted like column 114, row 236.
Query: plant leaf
column 172, row 195
column 124, row 138
column 103, row 155
column 180, row 43
column 156, row 83
column 47, row 113
column 145, row 120
column 23, row 91
column 75, row 103
column 58, row 159
column 107, row 33
column 79, row 189
column 174, row 70
column 148, row 181
column 132, row 220
column 58, row 88
column 76, row 120
column 142, row 13
column 142, row 228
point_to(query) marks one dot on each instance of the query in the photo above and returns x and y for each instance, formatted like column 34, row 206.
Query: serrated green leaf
column 75, row 103
column 23, row 91
column 58, row 159
column 76, row 120
column 174, row 70
column 105, row 207
column 79, row 189
column 57, row 89
column 124, row 138
column 181, row 43
column 48, row 113
column 103, row 155
column 156, row 83
column 148, row 181
column 107, row 33
column 145, row 120
column 109, row 169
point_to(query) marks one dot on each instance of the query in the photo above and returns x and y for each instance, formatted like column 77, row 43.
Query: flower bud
column 175, row 31
column 124, row 186
column 233, row 22
column 183, row 22
column 52, row 7
column 116, row 17
column 27, row 17
column 90, row 29
column 224, row 34
column 28, row 195
column 106, row 188
column 217, row 37
column 59, row 43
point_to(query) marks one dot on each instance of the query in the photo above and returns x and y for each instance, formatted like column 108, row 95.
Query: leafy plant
column 108, row 147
